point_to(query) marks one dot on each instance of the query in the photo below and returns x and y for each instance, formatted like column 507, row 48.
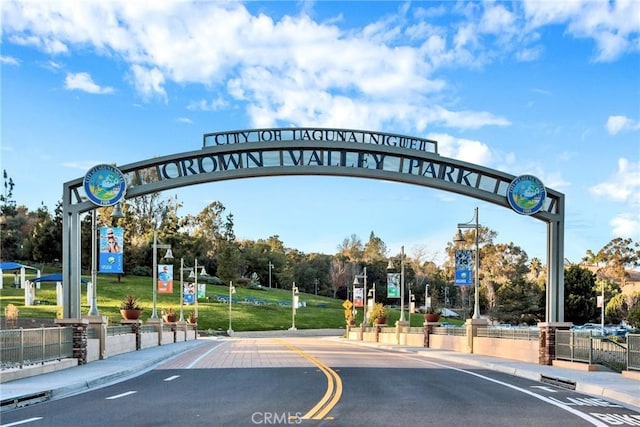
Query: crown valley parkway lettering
column 252, row 159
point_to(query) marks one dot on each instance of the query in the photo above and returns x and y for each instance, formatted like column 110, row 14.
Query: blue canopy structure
column 8, row 265
column 57, row 277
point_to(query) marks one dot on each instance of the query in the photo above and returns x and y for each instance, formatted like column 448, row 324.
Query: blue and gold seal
column 526, row 194
column 104, row 185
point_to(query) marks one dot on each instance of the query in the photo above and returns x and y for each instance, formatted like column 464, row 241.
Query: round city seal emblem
column 526, row 194
column 104, row 185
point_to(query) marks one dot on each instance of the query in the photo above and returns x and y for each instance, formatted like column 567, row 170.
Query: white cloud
column 617, row 124
column 149, row 82
column 84, row 82
column 9, row 60
column 463, row 149
column 286, row 70
column 623, row 186
column 185, row 120
column 626, row 224
column 215, row 104
column 614, row 26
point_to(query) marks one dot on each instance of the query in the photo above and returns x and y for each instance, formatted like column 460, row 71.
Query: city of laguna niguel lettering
column 313, row 134
column 212, row 163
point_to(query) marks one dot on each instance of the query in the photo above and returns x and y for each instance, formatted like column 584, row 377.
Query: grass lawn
column 319, row 313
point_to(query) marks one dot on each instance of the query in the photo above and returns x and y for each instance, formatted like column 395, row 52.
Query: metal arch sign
column 313, row 151
column 104, row 185
column 526, row 194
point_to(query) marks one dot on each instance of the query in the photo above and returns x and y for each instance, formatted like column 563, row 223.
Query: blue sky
column 544, row 88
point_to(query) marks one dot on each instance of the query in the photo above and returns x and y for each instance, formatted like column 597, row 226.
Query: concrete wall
column 120, row 344
column 448, row 342
column 93, row 349
column 148, row 339
column 167, row 338
column 523, row 350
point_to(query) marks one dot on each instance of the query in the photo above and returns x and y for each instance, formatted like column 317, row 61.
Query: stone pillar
column 135, row 328
column 376, row 330
column 99, row 325
column 158, row 325
column 79, row 337
column 547, row 340
column 428, row 330
column 472, row 326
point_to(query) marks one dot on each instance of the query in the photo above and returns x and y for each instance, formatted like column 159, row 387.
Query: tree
column 580, row 295
column 519, row 302
column 351, row 248
column 228, row 253
column 374, row 249
column 338, row 273
column 618, row 255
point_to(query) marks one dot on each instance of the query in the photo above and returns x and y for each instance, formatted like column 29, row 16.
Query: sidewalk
column 609, row 385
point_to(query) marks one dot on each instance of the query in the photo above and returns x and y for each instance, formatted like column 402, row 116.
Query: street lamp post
column 181, row 291
column 372, row 294
column 203, row 272
column 270, row 267
column 168, row 255
column 426, row 296
column 364, row 293
column 232, row 290
column 390, row 266
column 94, row 275
column 294, row 306
column 116, row 214
column 459, row 238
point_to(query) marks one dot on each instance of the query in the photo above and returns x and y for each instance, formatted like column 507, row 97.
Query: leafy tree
column 519, row 302
column 374, row 249
column 618, row 255
column 228, row 253
column 46, row 237
column 579, row 295
column 351, row 248
column 633, row 317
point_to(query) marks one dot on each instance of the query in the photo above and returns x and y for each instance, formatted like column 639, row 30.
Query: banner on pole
column 358, row 297
column 393, row 285
column 111, row 250
column 189, row 293
column 165, row 279
column 464, row 267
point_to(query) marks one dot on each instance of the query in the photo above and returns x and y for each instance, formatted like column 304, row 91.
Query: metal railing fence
column 576, row 346
column 21, row 347
column 119, row 330
column 509, row 333
column 633, row 352
column 456, row 331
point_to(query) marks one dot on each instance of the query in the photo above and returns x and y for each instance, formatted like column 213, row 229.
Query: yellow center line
column 334, row 386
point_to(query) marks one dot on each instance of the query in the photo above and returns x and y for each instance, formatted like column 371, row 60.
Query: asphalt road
column 320, row 382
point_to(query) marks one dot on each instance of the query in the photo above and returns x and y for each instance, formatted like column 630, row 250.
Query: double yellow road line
column 334, row 386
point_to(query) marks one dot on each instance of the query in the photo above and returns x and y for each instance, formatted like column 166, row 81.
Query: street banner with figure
column 111, row 250
column 189, row 293
column 165, row 279
column 358, row 297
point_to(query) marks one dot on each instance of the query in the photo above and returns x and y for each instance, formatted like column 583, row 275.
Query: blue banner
column 464, row 267
column 189, row 293
column 111, row 250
